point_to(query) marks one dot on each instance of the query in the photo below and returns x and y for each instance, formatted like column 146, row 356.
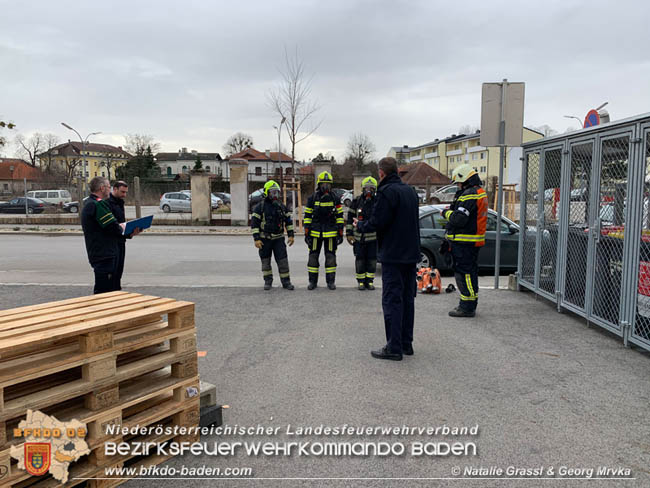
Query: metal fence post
column 136, row 192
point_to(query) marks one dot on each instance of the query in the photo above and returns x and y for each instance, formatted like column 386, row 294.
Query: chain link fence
column 585, row 239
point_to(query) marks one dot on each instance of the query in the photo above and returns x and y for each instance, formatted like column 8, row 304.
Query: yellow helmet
column 270, row 185
column 324, row 177
column 463, row 173
column 369, row 181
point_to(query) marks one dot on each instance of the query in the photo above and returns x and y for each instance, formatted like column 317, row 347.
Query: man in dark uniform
column 467, row 219
column 268, row 220
column 365, row 244
column 395, row 218
column 116, row 202
column 102, row 234
column 323, row 228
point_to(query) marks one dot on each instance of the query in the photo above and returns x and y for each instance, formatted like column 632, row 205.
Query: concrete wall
column 239, row 192
column 201, row 201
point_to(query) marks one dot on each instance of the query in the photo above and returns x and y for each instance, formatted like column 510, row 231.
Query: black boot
column 459, row 312
column 312, row 285
column 361, row 286
column 370, row 285
column 286, row 284
column 268, row 284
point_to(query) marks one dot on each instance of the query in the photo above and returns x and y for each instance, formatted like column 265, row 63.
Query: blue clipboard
column 142, row 223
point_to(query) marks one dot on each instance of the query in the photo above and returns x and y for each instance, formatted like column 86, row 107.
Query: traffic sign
column 592, row 118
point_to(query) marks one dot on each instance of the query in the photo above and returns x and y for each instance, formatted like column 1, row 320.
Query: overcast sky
column 191, row 73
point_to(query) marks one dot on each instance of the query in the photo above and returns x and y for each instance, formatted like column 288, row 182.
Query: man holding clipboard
column 116, row 203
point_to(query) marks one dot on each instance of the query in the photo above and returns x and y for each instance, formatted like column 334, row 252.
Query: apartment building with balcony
column 445, row 155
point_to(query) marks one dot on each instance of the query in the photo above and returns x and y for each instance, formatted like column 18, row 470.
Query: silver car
column 176, row 202
column 443, row 195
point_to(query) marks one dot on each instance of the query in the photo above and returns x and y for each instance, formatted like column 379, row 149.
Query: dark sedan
column 17, row 205
column 432, row 232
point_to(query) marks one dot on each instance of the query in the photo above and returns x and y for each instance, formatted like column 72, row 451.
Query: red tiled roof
column 251, row 154
column 416, row 174
column 21, row 170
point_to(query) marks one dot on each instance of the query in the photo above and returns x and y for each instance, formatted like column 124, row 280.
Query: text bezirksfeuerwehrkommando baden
column 298, row 431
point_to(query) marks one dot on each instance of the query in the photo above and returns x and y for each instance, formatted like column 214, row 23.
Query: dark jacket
column 269, row 219
column 117, row 207
column 323, row 216
column 467, row 215
column 361, row 208
column 395, row 218
column 102, row 232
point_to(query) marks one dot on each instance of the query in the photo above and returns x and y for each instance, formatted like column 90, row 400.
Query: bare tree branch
column 136, row 144
column 237, row 143
column 291, row 101
column 360, row 149
column 29, row 148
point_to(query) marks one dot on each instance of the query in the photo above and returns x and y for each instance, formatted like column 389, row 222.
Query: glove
column 291, row 239
column 350, row 240
column 308, row 241
column 258, row 244
column 339, row 239
column 444, row 247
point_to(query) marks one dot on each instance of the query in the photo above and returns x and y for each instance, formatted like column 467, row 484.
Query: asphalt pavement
column 544, row 389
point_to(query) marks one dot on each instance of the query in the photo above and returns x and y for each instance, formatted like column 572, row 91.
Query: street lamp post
column 83, row 150
column 279, row 129
column 11, row 170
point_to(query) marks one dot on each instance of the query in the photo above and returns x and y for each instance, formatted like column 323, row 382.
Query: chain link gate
column 585, row 225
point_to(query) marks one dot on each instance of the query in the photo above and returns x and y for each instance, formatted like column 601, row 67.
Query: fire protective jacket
column 467, row 216
column 361, row 208
column 269, row 219
column 323, row 216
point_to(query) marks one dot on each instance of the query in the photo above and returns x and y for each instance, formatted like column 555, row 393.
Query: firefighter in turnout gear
column 365, row 244
column 323, row 229
column 268, row 220
column 467, row 219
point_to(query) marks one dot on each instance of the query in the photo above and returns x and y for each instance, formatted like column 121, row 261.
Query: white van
column 53, row 197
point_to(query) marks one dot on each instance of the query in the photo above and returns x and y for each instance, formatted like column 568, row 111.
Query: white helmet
column 463, row 173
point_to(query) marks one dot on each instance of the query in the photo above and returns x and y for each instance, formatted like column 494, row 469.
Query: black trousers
column 466, row 273
column 365, row 261
column 119, row 271
column 329, row 244
column 278, row 249
column 105, row 275
column 398, row 302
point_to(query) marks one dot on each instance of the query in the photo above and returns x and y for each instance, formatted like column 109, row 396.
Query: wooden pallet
column 115, row 358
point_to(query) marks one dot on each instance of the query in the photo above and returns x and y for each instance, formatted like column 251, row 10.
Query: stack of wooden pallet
column 112, row 359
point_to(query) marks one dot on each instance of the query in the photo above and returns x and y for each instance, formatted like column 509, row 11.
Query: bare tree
column 108, row 161
column 137, row 144
column 30, row 148
column 360, row 149
column 291, row 101
column 71, row 164
column 3, row 125
column 50, row 141
column 468, row 129
column 546, row 129
column 237, row 143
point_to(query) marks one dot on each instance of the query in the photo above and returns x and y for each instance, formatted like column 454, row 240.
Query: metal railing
column 585, row 218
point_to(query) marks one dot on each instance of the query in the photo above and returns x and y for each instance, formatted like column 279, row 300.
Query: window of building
column 184, row 169
column 169, row 171
column 483, row 169
column 287, row 171
column 207, row 169
column 483, row 155
column 258, row 171
column 6, row 185
column 474, row 156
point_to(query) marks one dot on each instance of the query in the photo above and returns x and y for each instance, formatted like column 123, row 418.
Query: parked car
column 443, row 195
column 52, row 197
column 17, row 205
column 347, row 197
column 432, row 232
column 176, row 202
column 422, row 194
column 215, row 201
column 225, row 197
column 73, row 207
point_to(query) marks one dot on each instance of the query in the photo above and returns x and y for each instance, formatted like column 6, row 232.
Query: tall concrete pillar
column 358, row 178
column 319, row 167
column 238, row 192
column 201, row 201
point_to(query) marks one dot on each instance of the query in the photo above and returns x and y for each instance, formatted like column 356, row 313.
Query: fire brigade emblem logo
column 37, row 457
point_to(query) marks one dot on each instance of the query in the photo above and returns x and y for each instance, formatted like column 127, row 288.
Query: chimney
column 184, row 150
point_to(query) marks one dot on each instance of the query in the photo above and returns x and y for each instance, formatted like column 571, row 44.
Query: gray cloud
column 194, row 72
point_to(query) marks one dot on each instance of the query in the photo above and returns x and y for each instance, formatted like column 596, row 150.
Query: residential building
column 182, row 162
column 262, row 166
column 445, row 155
column 14, row 172
column 102, row 159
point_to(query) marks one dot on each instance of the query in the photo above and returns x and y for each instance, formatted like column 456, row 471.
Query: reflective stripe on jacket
column 467, row 217
column 323, row 216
